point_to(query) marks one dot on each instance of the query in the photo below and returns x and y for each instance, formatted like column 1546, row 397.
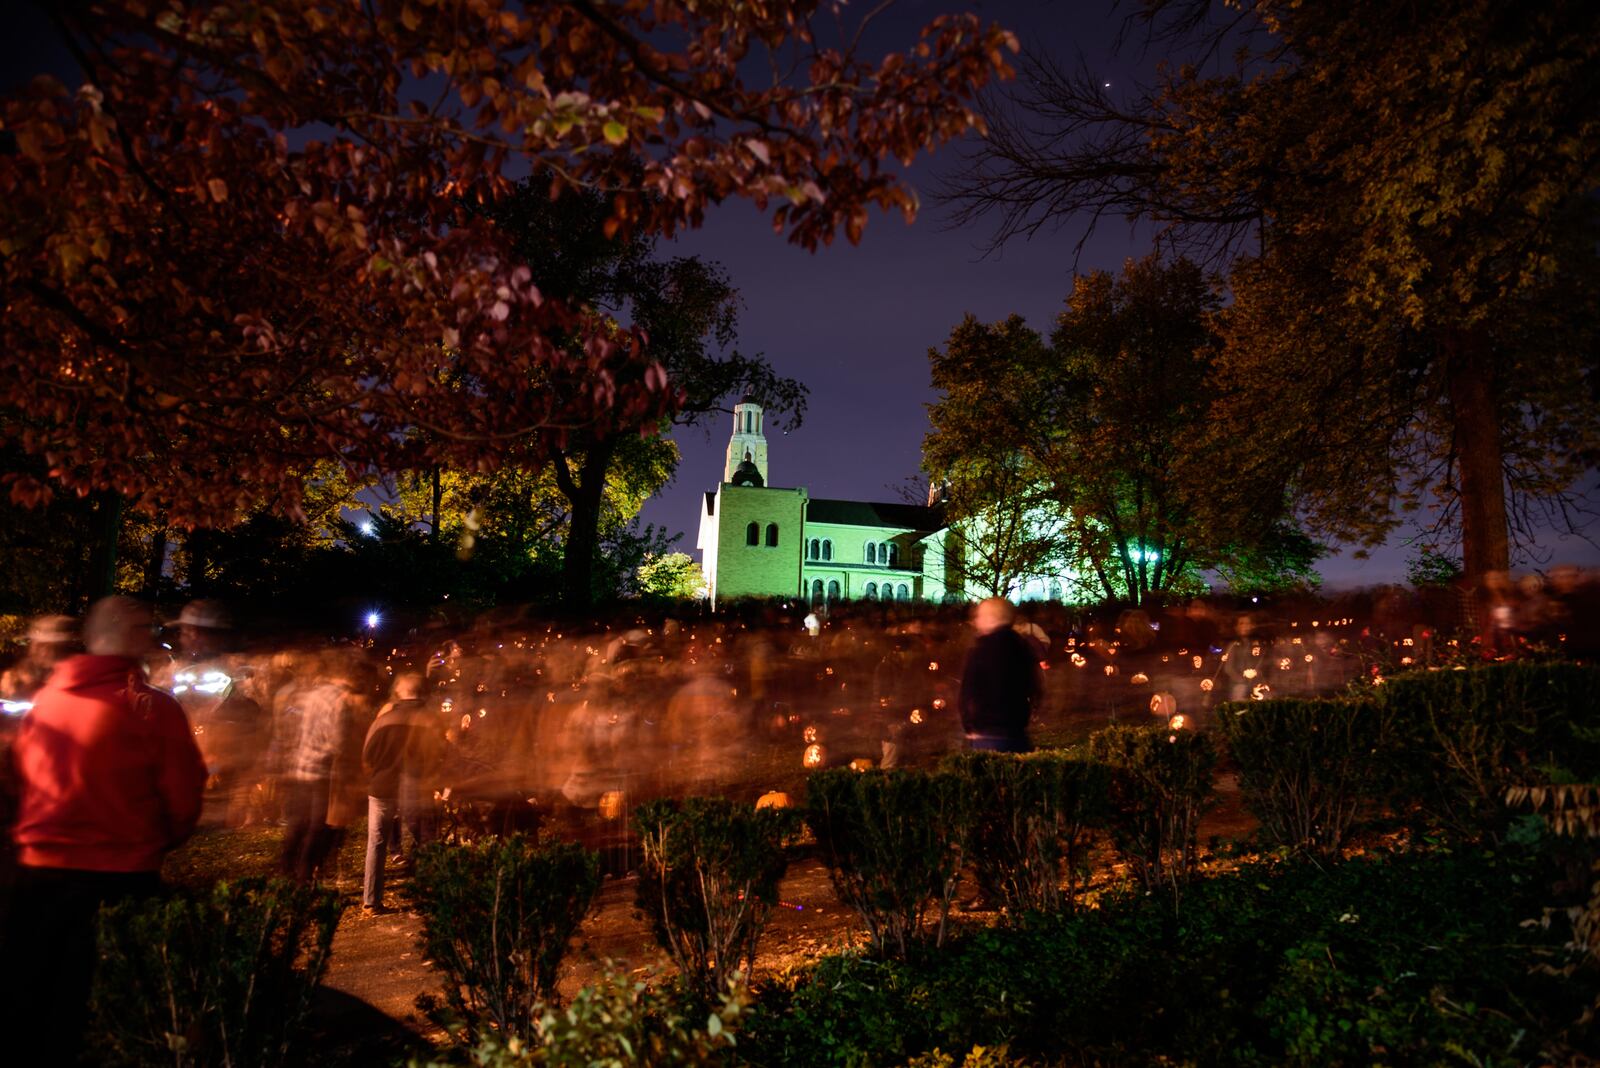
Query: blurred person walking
column 398, row 758
column 111, row 780
column 312, row 730
column 999, row 682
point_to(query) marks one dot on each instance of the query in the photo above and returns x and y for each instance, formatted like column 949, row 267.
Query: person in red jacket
column 110, row 781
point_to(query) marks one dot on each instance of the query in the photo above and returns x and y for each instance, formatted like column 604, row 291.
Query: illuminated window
column 872, row 588
column 752, row 534
column 772, row 535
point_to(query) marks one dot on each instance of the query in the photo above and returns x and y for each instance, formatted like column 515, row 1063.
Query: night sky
column 855, row 323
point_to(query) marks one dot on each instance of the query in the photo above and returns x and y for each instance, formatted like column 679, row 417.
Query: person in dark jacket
column 1000, row 682
column 394, row 756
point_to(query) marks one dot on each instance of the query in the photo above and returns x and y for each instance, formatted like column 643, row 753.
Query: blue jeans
column 383, row 819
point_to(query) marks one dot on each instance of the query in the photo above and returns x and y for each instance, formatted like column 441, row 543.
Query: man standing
column 110, row 780
column 999, row 683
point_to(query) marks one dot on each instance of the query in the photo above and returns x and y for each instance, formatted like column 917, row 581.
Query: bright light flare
column 373, row 619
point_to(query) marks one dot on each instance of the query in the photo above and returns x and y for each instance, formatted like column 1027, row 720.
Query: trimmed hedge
column 219, row 978
column 1160, row 783
column 709, row 880
column 1031, row 823
column 1306, row 768
column 893, row 842
column 1409, row 959
column 497, row 917
column 1465, row 736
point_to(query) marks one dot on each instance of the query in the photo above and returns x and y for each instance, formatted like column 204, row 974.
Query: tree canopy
column 1405, row 194
column 243, row 245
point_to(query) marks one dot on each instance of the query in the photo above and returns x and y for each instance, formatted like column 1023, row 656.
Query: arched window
column 872, row 552
column 833, row 590
column 894, row 555
column 888, row 591
column 827, row 548
column 813, row 548
column 871, row 590
column 901, row 593
column 772, row 535
column 752, row 534
column 816, row 591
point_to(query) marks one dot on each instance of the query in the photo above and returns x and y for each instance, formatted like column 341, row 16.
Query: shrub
column 892, row 841
column 1306, row 767
column 618, row 1021
column 496, row 920
column 1160, row 783
column 1030, row 825
column 1474, row 733
column 224, row 977
column 1409, row 959
column 708, row 881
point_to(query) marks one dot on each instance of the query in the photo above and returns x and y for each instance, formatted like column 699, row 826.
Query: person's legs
column 296, row 825
column 380, row 818
column 49, row 954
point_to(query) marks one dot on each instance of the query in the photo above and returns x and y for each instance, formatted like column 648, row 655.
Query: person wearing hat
column 51, row 639
column 209, row 683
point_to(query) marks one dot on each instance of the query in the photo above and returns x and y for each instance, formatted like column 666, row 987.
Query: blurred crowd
column 502, row 725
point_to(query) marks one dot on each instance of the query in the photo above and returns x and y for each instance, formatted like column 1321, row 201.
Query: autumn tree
column 686, row 307
column 997, row 499
column 1406, row 195
column 242, row 246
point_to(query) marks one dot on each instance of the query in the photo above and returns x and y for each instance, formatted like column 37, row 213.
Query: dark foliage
column 1160, row 784
column 1306, row 768
column 893, row 842
column 218, row 978
column 1031, row 823
column 1413, row 959
column 497, row 917
column 1466, row 736
column 708, row 882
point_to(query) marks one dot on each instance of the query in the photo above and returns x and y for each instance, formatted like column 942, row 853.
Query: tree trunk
column 1475, row 411
column 103, row 559
column 155, row 563
column 585, row 494
column 438, row 502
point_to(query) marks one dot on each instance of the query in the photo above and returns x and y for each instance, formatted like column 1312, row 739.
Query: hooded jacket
column 110, row 775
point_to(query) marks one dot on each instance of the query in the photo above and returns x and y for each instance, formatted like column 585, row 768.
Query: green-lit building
column 761, row 540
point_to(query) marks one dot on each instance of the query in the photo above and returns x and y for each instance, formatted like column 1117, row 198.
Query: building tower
column 748, row 443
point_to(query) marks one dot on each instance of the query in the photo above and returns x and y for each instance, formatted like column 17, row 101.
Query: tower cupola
column 748, row 445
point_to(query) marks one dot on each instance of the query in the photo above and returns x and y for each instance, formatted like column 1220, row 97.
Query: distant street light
column 372, row 620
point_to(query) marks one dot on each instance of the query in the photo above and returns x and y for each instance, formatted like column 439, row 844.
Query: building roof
column 874, row 514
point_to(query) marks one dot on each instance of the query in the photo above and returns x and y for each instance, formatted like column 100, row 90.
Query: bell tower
column 749, row 441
